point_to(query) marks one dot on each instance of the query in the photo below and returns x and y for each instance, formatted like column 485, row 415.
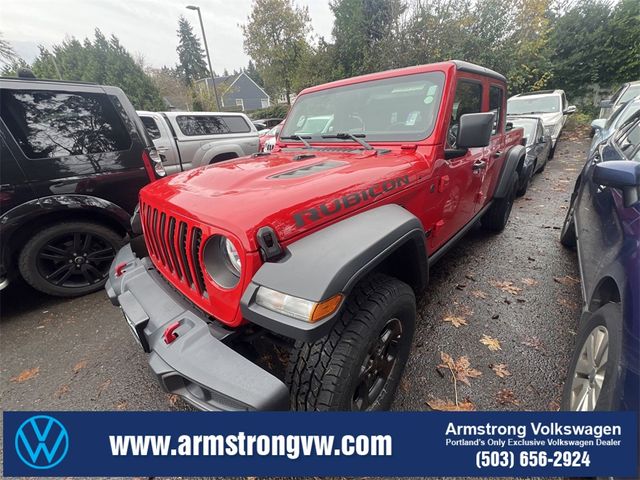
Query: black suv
column 73, row 158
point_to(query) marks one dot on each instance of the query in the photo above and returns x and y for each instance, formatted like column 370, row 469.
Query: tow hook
column 170, row 334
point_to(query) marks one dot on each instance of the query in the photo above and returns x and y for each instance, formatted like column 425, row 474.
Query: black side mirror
column 508, row 126
column 621, row 174
column 475, row 130
column 606, row 103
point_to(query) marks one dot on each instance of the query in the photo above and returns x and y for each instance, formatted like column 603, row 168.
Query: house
column 237, row 92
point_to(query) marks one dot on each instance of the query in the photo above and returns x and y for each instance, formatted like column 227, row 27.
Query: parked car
column 603, row 221
column 260, row 126
column 625, row 93
column 191, row 139
column 550, row 105
column 538, row 145
column 270, row 122
column 603, row 128
column 320, row 245
column 268, row 140
column 74, row 156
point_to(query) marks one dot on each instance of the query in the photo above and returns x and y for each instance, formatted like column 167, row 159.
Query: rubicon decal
column 332, row 207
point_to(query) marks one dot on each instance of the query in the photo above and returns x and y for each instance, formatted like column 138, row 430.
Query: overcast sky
column 147, row 27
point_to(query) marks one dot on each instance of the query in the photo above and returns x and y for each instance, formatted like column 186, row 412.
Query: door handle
column 497, row 153
column 479, row 165
column 162, row 149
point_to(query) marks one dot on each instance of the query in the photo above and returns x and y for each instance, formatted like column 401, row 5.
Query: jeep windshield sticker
column 349, row 200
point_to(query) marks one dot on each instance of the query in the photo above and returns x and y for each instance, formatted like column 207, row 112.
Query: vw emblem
column 42, row 442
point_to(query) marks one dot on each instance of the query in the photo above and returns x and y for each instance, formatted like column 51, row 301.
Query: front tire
column 594, row 372
column 358, row 365
column 69, row 259
column 568, row 236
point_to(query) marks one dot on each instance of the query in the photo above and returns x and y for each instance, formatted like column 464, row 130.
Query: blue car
column 603, row 128
column 603, row 222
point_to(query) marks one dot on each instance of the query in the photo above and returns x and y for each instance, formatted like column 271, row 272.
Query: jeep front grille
column 175, row 246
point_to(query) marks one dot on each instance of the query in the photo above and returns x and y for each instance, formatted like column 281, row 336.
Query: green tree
column 622, row 43
column 104, row 61
column 253, row 74
column 191, row 60
column 366, row 35
column 7, row 54
column 275, row 37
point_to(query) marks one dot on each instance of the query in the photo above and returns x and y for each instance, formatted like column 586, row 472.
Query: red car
column 320, row 245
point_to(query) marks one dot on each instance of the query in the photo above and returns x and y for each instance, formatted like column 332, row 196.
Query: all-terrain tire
column 606, row 379
column 496, row 218
column 30, row 259
column 328, row 374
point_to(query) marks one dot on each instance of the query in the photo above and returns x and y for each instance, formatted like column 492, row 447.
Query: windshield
column 629, row 93
column 529, row 129
column 622, row 114
column 533, row 104
column 393, row 109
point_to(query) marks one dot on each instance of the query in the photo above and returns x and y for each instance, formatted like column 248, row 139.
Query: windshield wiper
column 356, row 137
column 299, row 137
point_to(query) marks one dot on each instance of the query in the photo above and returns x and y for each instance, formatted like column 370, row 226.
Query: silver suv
column 550, row 106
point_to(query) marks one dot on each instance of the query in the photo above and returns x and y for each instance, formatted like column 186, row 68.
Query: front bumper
column 197, row 366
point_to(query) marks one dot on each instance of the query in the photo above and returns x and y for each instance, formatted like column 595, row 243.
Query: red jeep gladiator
column 320, row 245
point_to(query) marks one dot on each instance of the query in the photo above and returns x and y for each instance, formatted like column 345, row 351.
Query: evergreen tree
column 191, row 60
column 253, row 74
column 103, row 61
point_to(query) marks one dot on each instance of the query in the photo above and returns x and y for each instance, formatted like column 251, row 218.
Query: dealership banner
column 480, row 444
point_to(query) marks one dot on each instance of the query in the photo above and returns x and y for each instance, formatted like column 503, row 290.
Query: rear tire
column 358, row 365
column 496, row 218
column 69, row 259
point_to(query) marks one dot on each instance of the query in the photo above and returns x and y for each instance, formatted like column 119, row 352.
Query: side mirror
column 569, row 110
column 606, row 103
column 598, row 123
column 508, row 126
column 475, row 130
column 621, row 174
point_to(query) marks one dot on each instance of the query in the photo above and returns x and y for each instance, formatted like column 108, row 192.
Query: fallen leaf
column 455, row 320
column 79, row 366
column 449, row 406
column 567, row 281
column 62, row 391
column 492, row 343
column 567, row 303
column 533, row 342
column 506, row 396
column 507, row 287
column 478, row 294
column 121, row 406
column 26, row 375
column 554, row 406
column 460, row 368
column 529, row 281
column 500, row 369
column 172, row 399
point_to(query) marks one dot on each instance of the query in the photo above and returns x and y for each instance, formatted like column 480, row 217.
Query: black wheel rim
column 377, row 366
column 75, row 259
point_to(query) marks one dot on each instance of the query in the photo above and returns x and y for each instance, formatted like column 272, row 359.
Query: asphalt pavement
column 499, row 315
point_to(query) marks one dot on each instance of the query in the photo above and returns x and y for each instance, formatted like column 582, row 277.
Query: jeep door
column 459, row 178
column 494, row 153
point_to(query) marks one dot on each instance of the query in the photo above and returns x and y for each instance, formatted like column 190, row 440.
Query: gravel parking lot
column 507, row 305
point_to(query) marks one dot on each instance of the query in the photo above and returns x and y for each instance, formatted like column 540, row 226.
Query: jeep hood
column 292, row 191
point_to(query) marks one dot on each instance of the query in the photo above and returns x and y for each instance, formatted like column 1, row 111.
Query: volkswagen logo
column 41, row 442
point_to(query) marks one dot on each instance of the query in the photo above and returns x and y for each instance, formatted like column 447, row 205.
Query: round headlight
column 232, row 255
column 222, row 261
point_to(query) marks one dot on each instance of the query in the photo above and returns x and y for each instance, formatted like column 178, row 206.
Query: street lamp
column 206, row 49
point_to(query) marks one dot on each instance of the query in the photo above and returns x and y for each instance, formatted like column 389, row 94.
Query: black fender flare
column 38, row 208
column 510, row 168
column 333, row 260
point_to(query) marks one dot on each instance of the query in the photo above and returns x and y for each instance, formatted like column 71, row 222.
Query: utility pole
column 206, row 49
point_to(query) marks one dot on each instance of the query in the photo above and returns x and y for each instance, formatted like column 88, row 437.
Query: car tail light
column 153, row 164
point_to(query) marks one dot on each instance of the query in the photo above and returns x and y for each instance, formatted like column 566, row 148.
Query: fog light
column 295, row 307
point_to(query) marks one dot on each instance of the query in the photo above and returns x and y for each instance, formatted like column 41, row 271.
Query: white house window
column 264, row 102
column 240, row 103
